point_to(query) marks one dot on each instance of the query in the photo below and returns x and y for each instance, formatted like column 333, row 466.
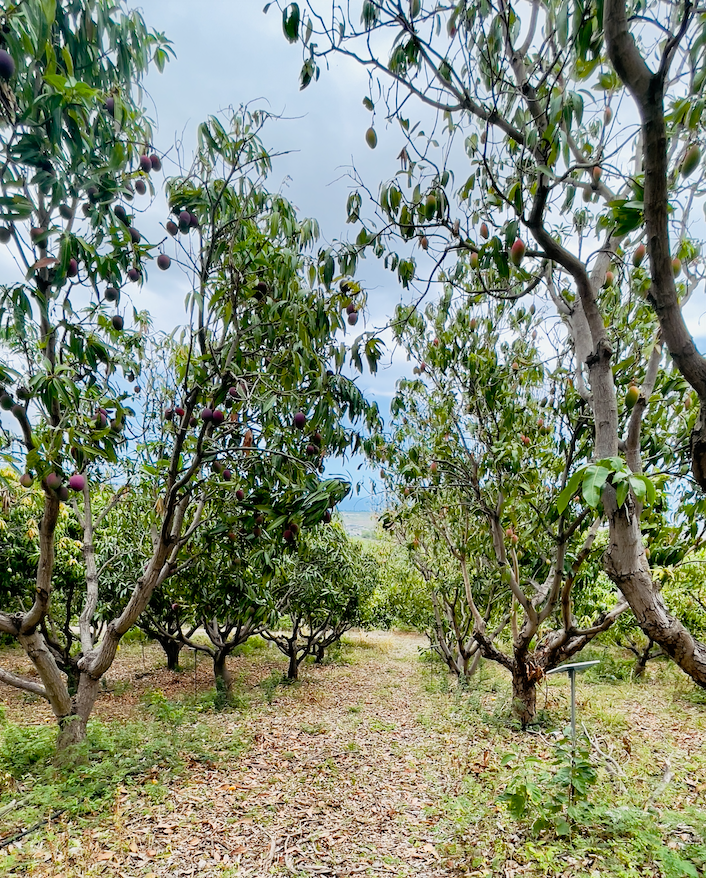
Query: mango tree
column 478, row 463
column 223, row 583
column 319, row 592
column 563, row 194
column 73, row 141
column 250, row 373
column 433, row 526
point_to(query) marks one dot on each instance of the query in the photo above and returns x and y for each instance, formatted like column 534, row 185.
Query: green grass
column 149, row 752
column 112, row 755
column 519, row 809
column 253, row 646
column 487, row 810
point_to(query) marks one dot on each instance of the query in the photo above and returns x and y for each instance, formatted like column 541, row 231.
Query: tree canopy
column 231, row 415
column 552, row 151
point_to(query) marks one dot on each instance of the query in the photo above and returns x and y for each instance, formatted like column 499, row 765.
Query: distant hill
column 359, row 524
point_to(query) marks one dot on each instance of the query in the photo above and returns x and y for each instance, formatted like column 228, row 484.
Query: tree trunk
column 172, row 649
column 627, row 566
column 72, row 728
column 223, row 677
column 468, row 672
column 293, row 669
column 72, row 731
column 642, row 659
column 524, row 694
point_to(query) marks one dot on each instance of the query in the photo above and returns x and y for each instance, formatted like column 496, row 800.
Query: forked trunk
column 641, row 662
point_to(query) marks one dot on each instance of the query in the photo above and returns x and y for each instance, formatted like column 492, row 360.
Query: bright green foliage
column 521, row 103
column 593, row 477
column 321, row 590
column 401, row 598
column 260, row 349
column 20, row 513
column 548, row 797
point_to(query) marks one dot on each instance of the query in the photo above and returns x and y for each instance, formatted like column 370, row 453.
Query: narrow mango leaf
column 290, row 22
column 643, row 488
column 621, row 492
column 572, row 486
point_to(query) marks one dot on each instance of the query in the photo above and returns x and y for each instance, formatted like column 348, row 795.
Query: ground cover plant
column 378, row 763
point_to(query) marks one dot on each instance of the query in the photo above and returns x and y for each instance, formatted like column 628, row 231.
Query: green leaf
column 49, row 10
column 328, row 270
column 563, row 828
column 369, row 14
column 643, row 489
column 160, row 59
column 594, row 480
column 616, row 464
column 621, row 492
column 572, row 486
column 290, row 22
column 562, row 24
column 16, row 207
column 310, row 71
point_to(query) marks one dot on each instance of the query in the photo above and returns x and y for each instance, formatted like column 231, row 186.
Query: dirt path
column 334, row 782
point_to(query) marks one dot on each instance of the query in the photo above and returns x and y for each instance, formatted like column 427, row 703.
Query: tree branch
column 20, row 683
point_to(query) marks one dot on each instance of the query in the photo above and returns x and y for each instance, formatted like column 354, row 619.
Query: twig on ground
column 9, row 839
column 611, row 764
column 667, row 778
column 271, row 854
column 9, row 807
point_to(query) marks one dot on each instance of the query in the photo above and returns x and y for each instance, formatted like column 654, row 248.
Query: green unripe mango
column 691, row 160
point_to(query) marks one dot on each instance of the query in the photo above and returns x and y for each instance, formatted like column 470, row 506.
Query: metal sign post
column 571, row 670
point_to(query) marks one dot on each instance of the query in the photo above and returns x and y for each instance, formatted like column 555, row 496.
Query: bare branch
column 21, row 683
